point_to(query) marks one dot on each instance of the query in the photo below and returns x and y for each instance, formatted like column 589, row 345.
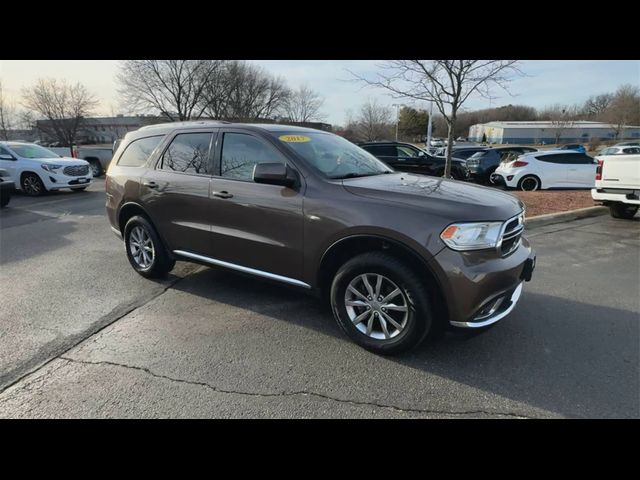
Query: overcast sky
column 547, row 81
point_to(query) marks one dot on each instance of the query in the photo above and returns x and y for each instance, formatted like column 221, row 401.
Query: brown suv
column 399, row 255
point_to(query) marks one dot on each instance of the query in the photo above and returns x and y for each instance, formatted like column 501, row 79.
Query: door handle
column 222, row 194
column 150, row 184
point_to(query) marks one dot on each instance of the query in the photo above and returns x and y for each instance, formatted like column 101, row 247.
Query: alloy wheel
column 377, row 307
column 31, row 185
column 141, row 247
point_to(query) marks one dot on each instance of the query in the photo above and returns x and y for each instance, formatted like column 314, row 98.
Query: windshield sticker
column 294, row 138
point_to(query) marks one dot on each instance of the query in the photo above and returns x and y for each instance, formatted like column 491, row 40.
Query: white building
column 546, row 132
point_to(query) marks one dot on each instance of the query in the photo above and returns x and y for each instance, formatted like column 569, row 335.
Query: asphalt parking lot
column 84, row 336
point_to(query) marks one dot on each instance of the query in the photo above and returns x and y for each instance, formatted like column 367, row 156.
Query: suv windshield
column 32, row 151
column 333, row 156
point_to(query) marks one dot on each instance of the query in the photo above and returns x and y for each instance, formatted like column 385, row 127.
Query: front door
column 254, row 225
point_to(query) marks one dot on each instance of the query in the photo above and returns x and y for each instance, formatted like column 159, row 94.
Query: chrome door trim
column 240, row 268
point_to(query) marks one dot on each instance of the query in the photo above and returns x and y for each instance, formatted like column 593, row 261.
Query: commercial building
column 547, row 132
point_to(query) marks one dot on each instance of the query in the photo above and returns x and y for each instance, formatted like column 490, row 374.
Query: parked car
column 574, row 146
column 484, row 162
column 547, row 169
column 6, row 188
column 463, row 153
column 409, row 158
column 98, row 157
column 36, row 170
column 617, row 184
column 399, row 256
column 436, row 142
column 620, row 150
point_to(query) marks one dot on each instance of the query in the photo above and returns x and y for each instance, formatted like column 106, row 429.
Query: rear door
column 254, row 225
column 620, row 171
column 176, row 191
column 387, row 153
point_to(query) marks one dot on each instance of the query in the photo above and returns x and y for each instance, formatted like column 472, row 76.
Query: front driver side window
column 241, row 152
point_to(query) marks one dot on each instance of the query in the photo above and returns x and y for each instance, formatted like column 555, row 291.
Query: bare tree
column 303, row 105
column 562, row 117
column 7, row 115
column 174, row 88
column 596, row 105
column 62, row 104
column 624, row 109
column 446, row 83
column 373, row 122
column 242, row 91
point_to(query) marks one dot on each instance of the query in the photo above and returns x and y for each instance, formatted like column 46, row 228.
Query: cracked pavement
column 99, row 341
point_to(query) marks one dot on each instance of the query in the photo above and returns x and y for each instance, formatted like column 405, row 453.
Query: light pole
column 397, row 105
column 429, row 127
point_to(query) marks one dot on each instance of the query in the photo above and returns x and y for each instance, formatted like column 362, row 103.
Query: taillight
column 599, row 169
column 519, row 163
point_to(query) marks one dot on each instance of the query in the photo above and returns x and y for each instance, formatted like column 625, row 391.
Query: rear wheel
column 529, row 183
column 145, row 251
column 32, row 185
column 621, row 210
column 4, row 199
column 381, row 304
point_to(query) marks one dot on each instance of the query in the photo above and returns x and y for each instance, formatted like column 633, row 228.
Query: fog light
column 52, row 179
column 509, row 177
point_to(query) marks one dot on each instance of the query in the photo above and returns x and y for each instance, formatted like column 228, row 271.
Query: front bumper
column 481, row 288
column 56, row 181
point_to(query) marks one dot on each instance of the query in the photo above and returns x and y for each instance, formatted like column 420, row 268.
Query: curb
column 561, row 217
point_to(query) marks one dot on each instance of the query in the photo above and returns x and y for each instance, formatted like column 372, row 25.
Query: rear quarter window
column 139, row 151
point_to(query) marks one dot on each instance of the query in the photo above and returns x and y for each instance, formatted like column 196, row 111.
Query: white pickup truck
column 97, row 156
column 618, row 184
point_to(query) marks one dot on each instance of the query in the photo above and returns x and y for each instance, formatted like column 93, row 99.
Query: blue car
column 574, row 146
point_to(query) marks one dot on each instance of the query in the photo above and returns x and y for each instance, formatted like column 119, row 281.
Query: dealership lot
column 84, row 336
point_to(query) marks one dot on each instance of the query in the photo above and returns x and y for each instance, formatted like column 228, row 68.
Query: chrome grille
column 76, row 170
column 511, row 234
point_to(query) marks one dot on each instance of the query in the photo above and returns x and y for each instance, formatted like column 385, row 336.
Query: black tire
column 420, row 319
column 32, row 185
column 96, row 168
column 621, row 210
column 161, row 263
column 529, row 183
column 81, row 189
column 4, row 200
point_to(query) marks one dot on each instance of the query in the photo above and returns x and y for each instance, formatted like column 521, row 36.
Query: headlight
column 50, row 167
column 472, row 236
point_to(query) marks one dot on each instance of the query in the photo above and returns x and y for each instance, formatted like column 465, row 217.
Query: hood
column 454, row 200
column 65, row 161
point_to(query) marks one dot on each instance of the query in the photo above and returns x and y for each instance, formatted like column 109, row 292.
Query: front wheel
column 32, row 185
column 621, row 210
column 145, row 251
column 381, row 304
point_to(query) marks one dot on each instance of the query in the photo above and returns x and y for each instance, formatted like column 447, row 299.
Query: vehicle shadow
column 566, row 357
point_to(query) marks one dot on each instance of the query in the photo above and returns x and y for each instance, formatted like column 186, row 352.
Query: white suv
column 36, row 170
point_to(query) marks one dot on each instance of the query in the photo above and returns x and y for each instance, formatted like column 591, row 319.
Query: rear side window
column 188, row 153
column 138, row 151
column 559, row 158
column 631, row 150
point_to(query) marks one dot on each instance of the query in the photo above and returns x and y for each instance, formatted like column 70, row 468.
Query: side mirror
column 273, row 174
column 6, row 156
